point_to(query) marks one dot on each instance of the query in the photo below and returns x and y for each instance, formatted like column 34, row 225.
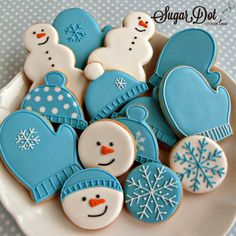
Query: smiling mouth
column 140, row 30
column 106, row 164
column 105, row 210
column 44, row 41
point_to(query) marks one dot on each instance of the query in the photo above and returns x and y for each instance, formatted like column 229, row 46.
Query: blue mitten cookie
column 189, row 47
column 146, row 143
column 79, row 31
column 110, row 91
column 40, row 158
column 191, row 106
column 55, row 102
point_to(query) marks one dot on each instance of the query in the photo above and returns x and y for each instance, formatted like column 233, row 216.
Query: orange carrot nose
column 142, row 23
column 95, row 202
column 40, row 35
column 106, row 150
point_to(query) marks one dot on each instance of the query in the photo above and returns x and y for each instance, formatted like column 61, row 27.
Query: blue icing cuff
column 192, row 107
column 79, row 31
column 110, row 91
column 89, row 178
column 189, row 47
column 152, row 192
column 54, row 101
column 146, row 143
column 40, row 158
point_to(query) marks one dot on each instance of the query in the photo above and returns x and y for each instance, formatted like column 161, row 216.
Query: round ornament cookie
column 92, row 198
column 200, row 163
column 109, row 145
column 152, row 192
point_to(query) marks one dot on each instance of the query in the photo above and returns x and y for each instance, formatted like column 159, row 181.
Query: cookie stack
column 93, row 116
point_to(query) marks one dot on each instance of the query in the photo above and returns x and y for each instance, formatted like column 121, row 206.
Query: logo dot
column 37, row 99
column 57, row 89
column 28, row 97
column 46, row 89
column 74, row 115
column 66, row 106
column 60, row 97
column 54, row 110
column 49, row 98
column 28, row 108
column 42, row 109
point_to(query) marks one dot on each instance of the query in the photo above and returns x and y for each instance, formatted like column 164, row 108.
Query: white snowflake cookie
column 200, row 163
column 152, row 192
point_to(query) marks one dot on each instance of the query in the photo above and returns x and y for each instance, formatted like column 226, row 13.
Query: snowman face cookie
column 39, row 35
column 108, row 145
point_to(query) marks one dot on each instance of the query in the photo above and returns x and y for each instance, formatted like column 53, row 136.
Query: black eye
column 146, row 22
column 83, row 198
column 97, row 196
column 111, row 144
column 98, row 143
column 139, row 17
column 42, row 30
column 34, row 32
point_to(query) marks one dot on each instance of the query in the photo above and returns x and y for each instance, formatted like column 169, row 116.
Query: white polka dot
column 36, row 90
column 74, row 104
column 66, row 106
column 37, row 99
column 57, row 89
column 49, row 98
column 28, row 97
column 46, row 89
column 42, row 109
column 60, row 97
column 28, row 108
column 74, row 115
column 68, row 95
column 54, row 110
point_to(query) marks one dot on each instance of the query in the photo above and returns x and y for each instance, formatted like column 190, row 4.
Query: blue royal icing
column 146, row 143
column 55, row 102
column 40, row 158
column 79, row 31
column 152, row 192
column 191, row 106
column 190, row 47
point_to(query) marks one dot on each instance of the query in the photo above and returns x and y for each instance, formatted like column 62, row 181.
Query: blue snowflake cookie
column 40, row 158
column 146, row 144
column 200, row 163
column 55, row 102
column 152, row 192
column 189, row 47
column 79, row 31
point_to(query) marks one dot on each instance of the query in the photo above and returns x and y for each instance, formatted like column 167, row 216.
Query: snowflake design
column 120, row 83
column 154, row 193
column 139, row 141
column 199, row 164
column 27, row 139
column 76, row 32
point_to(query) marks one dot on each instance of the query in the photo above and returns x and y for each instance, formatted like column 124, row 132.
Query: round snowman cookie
column 109, row 145
column 92, row 198
column 200, row 163
column 153, row 192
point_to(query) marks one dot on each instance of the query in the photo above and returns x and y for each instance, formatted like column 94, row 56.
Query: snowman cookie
column 92, row 198
column 109, row 145
column 46, row 55
column 126, row 49
column 200, row 163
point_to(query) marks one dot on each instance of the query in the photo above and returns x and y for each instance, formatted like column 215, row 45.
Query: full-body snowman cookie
column 127, row 48
column 46, row 55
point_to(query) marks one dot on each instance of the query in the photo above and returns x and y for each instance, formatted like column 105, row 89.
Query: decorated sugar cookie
column 46, row 55
column 146, row 143
column 155, row 119
column 110, row 91
column 109, row 145
column 126, row 49
column 79, row 31
column 200, row 164
column 152, row 192
column 40, row 158
column 189, row 47
column 192, row 107
column 92, row 198
column 55, row 102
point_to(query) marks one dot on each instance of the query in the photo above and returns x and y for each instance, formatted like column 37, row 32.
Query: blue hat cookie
column 79, row 31
column 155, row 119
column 55, row 102
column 152, row 192
column 110, row 91
column 40, row 158
column 189, row 47
column 146, row 143
column 191, row 106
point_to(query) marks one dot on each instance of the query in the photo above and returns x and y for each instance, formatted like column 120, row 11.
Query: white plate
column 206, row 214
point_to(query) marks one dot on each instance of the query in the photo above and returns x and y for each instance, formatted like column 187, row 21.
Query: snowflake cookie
column 200, row 163
column 152, row 192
